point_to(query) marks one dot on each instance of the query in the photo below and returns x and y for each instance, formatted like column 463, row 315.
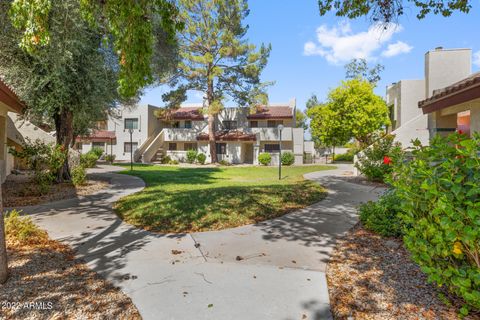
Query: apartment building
column 443, row 67
column 240, row 134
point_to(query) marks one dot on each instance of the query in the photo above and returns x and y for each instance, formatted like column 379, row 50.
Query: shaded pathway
column 271, row 270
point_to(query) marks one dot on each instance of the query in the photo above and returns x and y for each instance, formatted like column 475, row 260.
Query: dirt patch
column 370, row 277
column 20, row 190
column 46, row 282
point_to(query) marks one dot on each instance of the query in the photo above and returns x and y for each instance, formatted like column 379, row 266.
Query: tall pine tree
column 217, row 60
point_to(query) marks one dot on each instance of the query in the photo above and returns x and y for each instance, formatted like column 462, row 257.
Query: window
column 221, row 148
column 188, row 124
column 230, row 124
column 79, row 146
column 127, row 148
column 190, row 146
column 254, row 124
column 131, row 123
column 272, row 148
column 274, row 123
column 172, row 146
column 176, row 124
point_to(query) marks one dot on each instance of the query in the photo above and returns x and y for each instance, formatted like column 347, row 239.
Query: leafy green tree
column 327, row 126
column 217, row 60
column 352, row 110
column 301, row 120
column 312, row 102
column 73, row 77
column 389, row 11
column 129, row 26
column 358, row 68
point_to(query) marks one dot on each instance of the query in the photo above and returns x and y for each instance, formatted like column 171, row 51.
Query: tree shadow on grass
column 215, row 208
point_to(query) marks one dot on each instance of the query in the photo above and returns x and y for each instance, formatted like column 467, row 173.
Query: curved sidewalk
column 271, row 270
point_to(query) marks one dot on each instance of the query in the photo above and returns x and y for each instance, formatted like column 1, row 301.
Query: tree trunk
column 3, row 245
column 211, row 124
column 211, row 138
column 64, row 127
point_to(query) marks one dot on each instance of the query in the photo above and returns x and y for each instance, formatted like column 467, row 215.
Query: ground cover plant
column 182, row 199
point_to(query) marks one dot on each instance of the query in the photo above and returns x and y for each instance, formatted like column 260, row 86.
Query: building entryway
column 248, row 153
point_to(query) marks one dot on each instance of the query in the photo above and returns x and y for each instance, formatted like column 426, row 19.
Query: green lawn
column 182, row 199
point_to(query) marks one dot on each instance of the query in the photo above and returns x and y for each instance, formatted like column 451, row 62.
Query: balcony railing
column 266, row 134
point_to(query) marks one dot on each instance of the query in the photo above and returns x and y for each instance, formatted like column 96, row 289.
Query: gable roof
column 9, row 98
column 269, row 112
column 98, row 136
column 459, row 92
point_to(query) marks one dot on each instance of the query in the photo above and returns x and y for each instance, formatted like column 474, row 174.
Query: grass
column 183, row 199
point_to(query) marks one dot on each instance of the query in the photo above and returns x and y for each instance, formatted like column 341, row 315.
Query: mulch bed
column 46, row 282
column 20, row 190
column 371, row 277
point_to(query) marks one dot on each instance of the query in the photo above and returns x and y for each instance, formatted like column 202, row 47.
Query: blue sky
column 309, row 51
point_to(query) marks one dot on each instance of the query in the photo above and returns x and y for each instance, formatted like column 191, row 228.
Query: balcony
column 271, row 134
column 180, row 134
column 265, row 134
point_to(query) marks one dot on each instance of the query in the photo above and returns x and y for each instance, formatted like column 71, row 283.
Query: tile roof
column 229, row 135
column 186, row 113
column 10, row 98
column 98, row 135
column 465, row 84
column 281, row 112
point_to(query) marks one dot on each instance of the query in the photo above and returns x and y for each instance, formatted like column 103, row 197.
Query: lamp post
column 280, row 128
column 131, row 149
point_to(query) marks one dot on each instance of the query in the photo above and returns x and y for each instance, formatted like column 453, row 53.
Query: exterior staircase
column 158, row 157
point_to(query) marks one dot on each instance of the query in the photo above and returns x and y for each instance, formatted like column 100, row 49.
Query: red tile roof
column 281, row 112
column 8, row 97
column 99, row 135
column 232, row 135
column 459, row 92
column 185, row 113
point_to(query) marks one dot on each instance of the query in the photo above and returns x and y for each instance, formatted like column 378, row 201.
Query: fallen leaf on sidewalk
column 176, row 251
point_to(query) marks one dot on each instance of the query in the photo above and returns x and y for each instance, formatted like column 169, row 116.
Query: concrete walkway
column 271, row 270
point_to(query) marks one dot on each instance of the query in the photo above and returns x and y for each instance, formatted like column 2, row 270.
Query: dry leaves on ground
column 19, row 191
column 370, row 277
column 46, row 282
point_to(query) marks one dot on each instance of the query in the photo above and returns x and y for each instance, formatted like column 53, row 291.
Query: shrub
column 201, row 158
column 440, row 192
column 21, row 230
column 79, row 175
column 43, row 180
column 191, row 156
column 347, row 156
column 382, row 216
column 166, row 160
column 88, row 160
column 110, row 158
column 374, row 161
column 288, row 159
column 224, row 162
column 264, row 158
column 174, row 162
column 97, row 151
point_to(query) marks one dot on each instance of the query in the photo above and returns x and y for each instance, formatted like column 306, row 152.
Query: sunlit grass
column 183, row 199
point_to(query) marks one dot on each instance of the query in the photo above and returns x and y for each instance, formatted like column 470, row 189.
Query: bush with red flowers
column 375, row 162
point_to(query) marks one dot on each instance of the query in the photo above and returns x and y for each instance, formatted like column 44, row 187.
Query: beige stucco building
column 240, row 134
column 9, row 102
column 443, row 67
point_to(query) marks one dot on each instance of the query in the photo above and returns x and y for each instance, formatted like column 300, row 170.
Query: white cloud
column 339, row 44
column 476, row 58
column 394, row 49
